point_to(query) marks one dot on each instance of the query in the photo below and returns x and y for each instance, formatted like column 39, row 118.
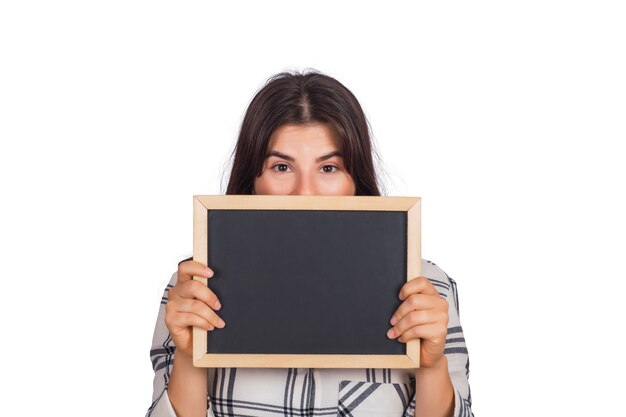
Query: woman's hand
column 422, row 314
column 190, row 303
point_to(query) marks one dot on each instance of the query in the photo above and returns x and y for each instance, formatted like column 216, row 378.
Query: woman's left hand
column 423, row 314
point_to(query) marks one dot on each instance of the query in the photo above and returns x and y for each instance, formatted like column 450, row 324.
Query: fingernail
column 393, row 321
column 221, row 323
column 391, row 334
column 217, row 305
column 209, row 273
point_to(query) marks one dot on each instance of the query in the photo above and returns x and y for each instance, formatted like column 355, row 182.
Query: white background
column 507, row 118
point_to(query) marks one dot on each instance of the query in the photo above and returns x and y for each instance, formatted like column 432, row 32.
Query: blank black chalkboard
column 332, row 271
column 304, row 282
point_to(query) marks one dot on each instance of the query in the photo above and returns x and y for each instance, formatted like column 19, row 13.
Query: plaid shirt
column 303, row 392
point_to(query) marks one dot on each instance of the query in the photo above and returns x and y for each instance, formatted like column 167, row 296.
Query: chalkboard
column 306, row 281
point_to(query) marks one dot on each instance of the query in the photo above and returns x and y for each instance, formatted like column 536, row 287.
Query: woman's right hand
column 191, row 304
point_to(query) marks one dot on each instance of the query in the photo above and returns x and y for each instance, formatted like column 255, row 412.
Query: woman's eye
column 329, row 168
column 281, row 167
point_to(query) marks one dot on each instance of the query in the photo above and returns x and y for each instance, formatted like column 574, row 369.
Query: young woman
column 306, row 134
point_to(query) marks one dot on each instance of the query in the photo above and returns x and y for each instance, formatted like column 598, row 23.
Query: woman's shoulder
column 433, row 272
column 174, row 277
column 445, row 285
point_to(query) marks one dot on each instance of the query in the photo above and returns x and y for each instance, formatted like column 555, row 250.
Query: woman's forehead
column 312, row 137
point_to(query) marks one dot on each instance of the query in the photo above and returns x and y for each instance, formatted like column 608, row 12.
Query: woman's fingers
column 415, row 302
column 200, row 309
column 182, row 321
column 195, row 289
column 187, row 269
column 191, row 304
column 417, row 318
column 432, row 332
column 417, row 285
column 196, row 298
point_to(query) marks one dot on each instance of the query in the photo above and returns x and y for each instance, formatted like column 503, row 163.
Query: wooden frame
column 203, row 203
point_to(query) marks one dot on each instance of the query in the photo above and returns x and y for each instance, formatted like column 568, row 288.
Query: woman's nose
column 304, row 186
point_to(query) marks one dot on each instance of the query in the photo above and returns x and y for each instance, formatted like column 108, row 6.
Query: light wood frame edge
column 210, row 360
column 414, row 265
column 200, row 254
column 302, row 202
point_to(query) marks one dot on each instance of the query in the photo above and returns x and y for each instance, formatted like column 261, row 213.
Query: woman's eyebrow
column 329, row 155
column 290, row 158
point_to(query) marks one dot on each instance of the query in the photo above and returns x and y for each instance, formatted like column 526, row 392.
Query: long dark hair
column 298, row 98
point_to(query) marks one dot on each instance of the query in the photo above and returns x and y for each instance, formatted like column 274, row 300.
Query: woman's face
column 304, row 160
